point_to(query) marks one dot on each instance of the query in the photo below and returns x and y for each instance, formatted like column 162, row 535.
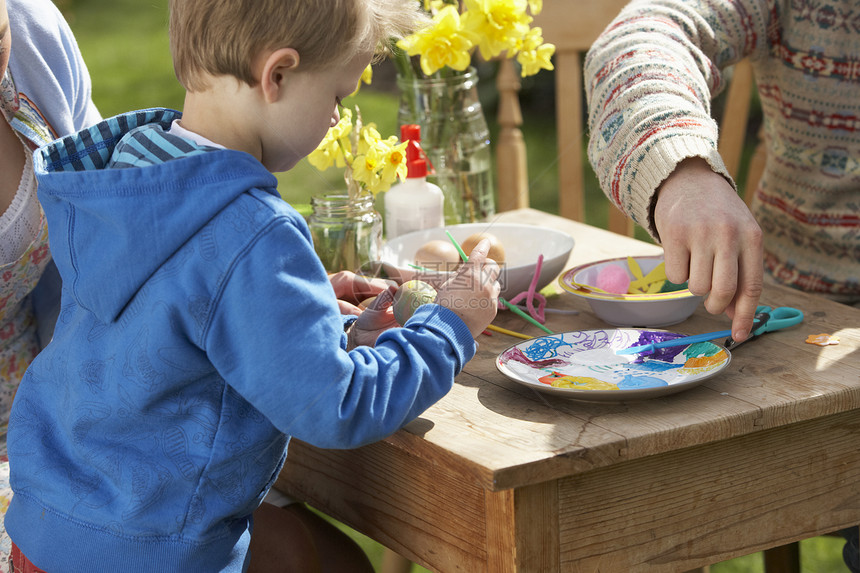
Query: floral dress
column 19, row 342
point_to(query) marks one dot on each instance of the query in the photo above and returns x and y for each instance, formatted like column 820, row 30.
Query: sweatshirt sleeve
column 276, row 337
column 649, row 79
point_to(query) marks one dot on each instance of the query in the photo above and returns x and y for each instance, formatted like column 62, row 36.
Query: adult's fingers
column 749, row 290
column 676, row 257
column 724, row 281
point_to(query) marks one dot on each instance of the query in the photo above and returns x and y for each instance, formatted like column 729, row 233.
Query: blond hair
column 222, row 37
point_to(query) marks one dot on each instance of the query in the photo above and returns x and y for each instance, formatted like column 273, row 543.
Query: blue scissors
column 768, row 319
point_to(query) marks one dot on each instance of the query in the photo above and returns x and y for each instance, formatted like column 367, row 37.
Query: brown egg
column 497, row 250
column 437, row 255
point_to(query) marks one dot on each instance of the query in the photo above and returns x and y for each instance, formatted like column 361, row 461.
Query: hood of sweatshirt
column 112, row 228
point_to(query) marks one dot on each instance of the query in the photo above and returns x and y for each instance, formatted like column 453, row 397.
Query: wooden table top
column 497, row 477
column 507, row 435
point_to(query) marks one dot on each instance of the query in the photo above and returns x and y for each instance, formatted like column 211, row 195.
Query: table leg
column 522, row 529
column 784, row 559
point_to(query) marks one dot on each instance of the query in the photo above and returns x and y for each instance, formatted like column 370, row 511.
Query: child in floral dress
column 45, row 92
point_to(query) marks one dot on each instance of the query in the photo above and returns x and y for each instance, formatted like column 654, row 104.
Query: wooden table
column 497, row 477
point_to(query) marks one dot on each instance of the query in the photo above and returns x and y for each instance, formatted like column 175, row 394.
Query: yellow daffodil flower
column 433, row 6
column 367, row 138
column 444, row 43
column 324, row 157
column 344, row 126
column 500, row 24
column 334, row 145
column 395, row 163
column 365, row 169
column 533, row 55
column 367, row 75
column 377, row 162
column 366, row 78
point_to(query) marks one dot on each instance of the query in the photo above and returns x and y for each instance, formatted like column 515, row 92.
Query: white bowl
column 636, row 310
column 522, row 244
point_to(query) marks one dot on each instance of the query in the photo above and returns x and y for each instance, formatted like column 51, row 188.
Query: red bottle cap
column 416, row 159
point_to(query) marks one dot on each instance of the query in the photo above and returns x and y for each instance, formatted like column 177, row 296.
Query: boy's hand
column 711, row 240
column 373, row 321
column 350, row 289
column 473, row 293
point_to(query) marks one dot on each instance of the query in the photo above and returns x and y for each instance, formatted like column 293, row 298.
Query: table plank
column 774, row 487
column 400, row 501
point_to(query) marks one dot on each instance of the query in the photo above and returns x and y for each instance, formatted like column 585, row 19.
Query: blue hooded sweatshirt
column 198, row 333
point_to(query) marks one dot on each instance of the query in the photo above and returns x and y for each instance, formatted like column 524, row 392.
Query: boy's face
column 309, row 110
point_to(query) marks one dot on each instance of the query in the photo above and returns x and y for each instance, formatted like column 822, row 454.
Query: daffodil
column 395, row 163
column 343, row 128
column 445, row 43
column 366, row 78
column 365, row 168
column 533, row 55
column 376, row 163
column 380, row 165
column 433, row 6
column 492, row 26
column 335, row 145
column 500, row 24
column 367, row 138
column 367, row 75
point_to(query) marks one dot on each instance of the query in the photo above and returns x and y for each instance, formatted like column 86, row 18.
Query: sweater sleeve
column 649, row 79
column 276, row 337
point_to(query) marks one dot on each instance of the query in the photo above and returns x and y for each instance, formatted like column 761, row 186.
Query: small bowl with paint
column 631, row 291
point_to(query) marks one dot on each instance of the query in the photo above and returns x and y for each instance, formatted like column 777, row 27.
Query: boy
column 198, row 329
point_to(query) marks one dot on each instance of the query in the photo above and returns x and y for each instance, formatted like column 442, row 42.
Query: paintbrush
column 683, row 341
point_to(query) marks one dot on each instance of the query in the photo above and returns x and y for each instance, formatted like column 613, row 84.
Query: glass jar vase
column 455, row 136
column 347, row 232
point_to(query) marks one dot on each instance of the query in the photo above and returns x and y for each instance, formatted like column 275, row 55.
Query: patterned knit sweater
column 649, row 80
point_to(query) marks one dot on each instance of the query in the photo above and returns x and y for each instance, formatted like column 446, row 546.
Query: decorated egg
column 409, row 297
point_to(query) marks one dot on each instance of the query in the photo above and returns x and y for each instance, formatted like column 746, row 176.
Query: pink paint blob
column 614, row 279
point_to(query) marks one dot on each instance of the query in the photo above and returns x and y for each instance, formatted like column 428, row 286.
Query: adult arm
column 649, row 80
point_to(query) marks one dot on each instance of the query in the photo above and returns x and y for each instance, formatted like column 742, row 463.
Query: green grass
column 124, row 43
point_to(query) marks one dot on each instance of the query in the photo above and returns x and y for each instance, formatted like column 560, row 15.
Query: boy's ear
column 275, row 69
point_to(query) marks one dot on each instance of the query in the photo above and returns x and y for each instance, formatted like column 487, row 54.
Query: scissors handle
column 769, row 319
column 778, row 318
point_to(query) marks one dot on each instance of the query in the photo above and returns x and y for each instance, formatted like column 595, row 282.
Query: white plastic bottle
column 414, row 204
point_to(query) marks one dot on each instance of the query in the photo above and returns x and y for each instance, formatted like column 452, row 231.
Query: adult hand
column 712, row 241
column 351, row 289
column 473, row 292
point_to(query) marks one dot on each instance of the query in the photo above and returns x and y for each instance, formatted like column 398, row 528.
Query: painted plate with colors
column 583, row 365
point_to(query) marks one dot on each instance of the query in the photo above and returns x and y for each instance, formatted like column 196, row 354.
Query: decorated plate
column 583, row 365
